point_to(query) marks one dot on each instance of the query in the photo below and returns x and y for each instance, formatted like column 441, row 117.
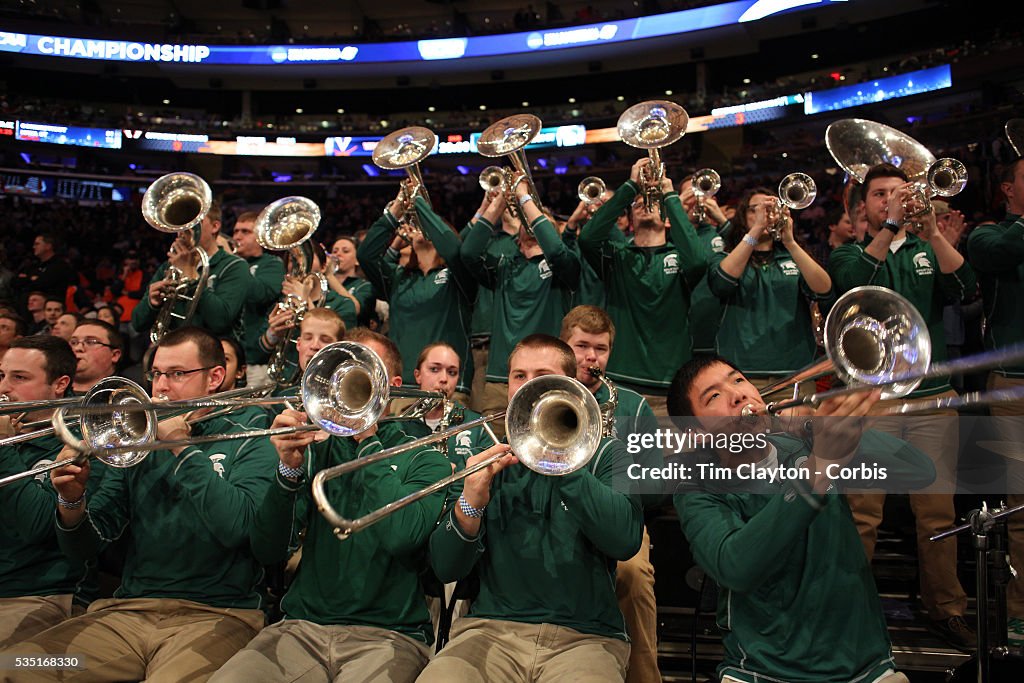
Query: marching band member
column 545, row 550
column 189, row 595
column 98, row 348
column 354, row 610
column 350, row 296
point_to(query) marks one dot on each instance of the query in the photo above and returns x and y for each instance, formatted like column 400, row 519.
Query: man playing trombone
column 39, row 586
column 355, row 610
column 545, row 550
column 190, row 589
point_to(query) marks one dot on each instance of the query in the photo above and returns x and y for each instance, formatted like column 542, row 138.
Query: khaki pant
column 476, row 388
column 304, row 652
column 634, row 587
column 159, row 640
column 658, row 403
column 491, row 650
column 22, row 618
column 495, row 399
column 1009, row 422
column 936, row 434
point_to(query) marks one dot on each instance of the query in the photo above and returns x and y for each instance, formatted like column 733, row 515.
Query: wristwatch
column 890, row 224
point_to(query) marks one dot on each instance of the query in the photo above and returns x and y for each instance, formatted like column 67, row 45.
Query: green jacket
column 705, row 310
column 548, row 546
column 797, row 601
column 648, row 290
column 997, row 252
column 591, row 292
column 766, row 324
column 189, row 517
column 503, row 244
column 371, row 578
column 31, row 562
column 424, row 307
column 362, row 290
column 530, row 295
column 220, row 304
column 914, row 273
column 267, row 272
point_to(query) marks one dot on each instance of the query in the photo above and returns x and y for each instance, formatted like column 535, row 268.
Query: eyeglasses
column 175, row 376
column 88, row 342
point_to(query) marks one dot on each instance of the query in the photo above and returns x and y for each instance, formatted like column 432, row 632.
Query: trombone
column 508, row 137
column 652, row 125
column 406, row 148
column 344, row 390
column 554, row 427
column 286, row 225
column 875, row 337
column 178, row 203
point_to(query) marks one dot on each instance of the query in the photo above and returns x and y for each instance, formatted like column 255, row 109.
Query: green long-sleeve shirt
column 705, row 309
column 188, row 517
column 530, row 295
column 371, row 578
column 267, row 272
column 220, row 303
column 31, row 562
column 424, row 307
column 648, row 290
column 997, row 253
column 591, row 292
column 798, row 601
column 913, row 272
column 547, row 546
column 766, row 324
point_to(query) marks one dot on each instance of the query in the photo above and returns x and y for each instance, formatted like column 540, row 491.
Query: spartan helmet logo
column 671, row 263
column 717, row 244
column 544, row 269
column 921, row 264
column 463, row 440
column 42, row 476
column 441, row 277
column 217, row 466
column 789, row 268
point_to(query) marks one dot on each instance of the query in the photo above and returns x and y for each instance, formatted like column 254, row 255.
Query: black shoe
column 956, row 632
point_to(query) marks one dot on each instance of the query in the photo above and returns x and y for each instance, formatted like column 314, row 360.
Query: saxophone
column 608, row 407
column 453, row 414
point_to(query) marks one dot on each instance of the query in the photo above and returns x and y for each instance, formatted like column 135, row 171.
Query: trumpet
column 553, row 425
column 652, row 125
column 508, row 137
column 706, row 183
column 406, row 148
column 178, row 203
column 591, row 189
column 287, row 225
column 796, row 191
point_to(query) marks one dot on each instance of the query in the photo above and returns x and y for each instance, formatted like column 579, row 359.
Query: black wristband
column 891, row 225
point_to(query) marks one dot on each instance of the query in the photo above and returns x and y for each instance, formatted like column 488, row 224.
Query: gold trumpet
column 652, row 125
column 178, row 203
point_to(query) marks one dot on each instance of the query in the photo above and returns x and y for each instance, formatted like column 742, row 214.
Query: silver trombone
column 554, row 427
column 652, row 125
column 876, row 338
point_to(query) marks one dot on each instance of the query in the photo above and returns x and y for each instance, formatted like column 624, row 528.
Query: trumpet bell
column 590, row 189
column 287, row 223
column 404, row 147
column 858, row 144
column 341, row 388
column 492, row 178
column 1015, row 134
column 652, row 124
column 947, row 177
column 797, row 190
column 706, row 182
column 553, row 425
column 873, row 335
column 508, row 135
column 176, row 202
column 118, row 428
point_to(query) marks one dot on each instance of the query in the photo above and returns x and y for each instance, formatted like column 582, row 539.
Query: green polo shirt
column 914, row 273
column 220, row 304
column 267, row 271
column 372, row 577
column 530, row 295
column 424, row 307
column 766, row 327
column 32, row 562
column 648, row 291
column 705, row 310
column 187, row 517
column 997, row 253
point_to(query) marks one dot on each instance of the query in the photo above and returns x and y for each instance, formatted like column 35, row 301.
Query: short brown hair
column 211, row 353
column 430, row 347
column 59, row 359
column 883, row 170
column 327, row 315
column 247, row 217
column 392, row 356
column 591, row 320
column 546, row 341
column 114, row 337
